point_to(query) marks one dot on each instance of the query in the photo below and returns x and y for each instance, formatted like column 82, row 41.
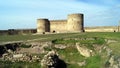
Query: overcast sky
column 16, row 14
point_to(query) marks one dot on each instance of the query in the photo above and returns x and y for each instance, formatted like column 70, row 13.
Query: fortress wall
column 17, row 31
column 26, row 31
column 58, row 26
column 3, row 32
column 102, row 29
column 74, row 23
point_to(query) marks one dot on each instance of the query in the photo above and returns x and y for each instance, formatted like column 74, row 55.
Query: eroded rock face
column 14, row 57
column 83, row 50
column 51, row 60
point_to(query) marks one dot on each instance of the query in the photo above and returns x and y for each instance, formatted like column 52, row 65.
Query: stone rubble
column 50, row 60
column 60, row 46
column 113, row 61
column 16, row 57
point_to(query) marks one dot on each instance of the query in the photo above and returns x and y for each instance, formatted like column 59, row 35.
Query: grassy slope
column 107, row 35
column 96, row 60
column 5, row 38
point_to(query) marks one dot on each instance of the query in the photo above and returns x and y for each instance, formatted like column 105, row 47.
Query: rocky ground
column 61, row 53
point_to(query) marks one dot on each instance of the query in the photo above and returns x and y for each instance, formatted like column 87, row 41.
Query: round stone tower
column 43, row 25
column 75, row 23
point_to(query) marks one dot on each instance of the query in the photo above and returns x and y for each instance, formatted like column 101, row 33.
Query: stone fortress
column 74, row 23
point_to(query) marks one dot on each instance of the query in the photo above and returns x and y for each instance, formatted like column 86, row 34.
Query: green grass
column 6, row 38
column 70, row 55
column 115, row 48
column 97, row 40
column 93, row 62
column 73, row 66
column 41, row 37
column 25, row 46
column 48, row 37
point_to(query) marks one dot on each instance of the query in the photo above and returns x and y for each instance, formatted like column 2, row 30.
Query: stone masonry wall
column 58, row 26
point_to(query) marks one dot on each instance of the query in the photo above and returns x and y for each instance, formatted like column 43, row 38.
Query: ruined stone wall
column 17, row 31
column 102, row 29
column 26, row 31
column 58, row 26
column 3, row 32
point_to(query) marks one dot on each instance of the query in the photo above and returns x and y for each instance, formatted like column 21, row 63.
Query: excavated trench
column 4, row 48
